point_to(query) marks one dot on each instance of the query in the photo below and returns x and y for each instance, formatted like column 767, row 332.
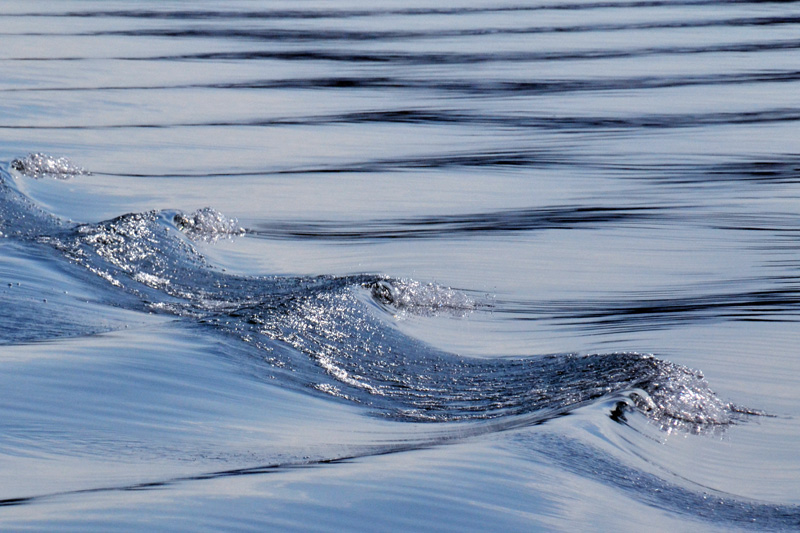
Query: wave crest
column 319, row 333
column 207, row 224
column 411, row 296
column 38, row 165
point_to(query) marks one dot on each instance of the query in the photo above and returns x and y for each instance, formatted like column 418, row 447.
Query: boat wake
column 333, row 337
column 329, row 334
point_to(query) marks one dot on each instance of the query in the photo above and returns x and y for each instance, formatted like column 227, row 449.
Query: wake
column 325, row 335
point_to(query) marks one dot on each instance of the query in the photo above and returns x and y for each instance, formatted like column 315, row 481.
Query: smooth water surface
column 347, row 266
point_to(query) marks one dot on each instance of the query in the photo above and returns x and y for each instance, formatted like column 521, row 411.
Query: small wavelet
column 38, row 165
column 411, row 296
column 207, row 224
column 680, row 399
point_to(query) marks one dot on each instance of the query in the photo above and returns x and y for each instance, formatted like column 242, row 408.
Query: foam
column 39, row 165
column 207, row 224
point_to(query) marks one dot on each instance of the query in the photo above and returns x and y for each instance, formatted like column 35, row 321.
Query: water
column 333, row 266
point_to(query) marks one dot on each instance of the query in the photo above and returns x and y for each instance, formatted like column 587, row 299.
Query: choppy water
column 339, row 266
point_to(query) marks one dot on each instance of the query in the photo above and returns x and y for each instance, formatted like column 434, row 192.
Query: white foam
column 38, row 165
column 208, row 224
column 409, row 295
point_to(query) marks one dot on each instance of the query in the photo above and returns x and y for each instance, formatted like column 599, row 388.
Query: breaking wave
column 327, row 335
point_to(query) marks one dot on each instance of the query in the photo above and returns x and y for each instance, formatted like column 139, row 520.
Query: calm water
column 445, row 267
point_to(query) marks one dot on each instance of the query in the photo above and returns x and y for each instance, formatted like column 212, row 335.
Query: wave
column 695, row 503
column 330, row 334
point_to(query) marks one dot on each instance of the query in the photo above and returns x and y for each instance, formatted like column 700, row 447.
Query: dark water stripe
column 523, row 158
column 777, row 170
column 321, row 35
column 693, row 502
column 574, row 456
column 448, row 226
column 558, row 123
column 444, row 58
column 272, row 468
column 758, row 171
column 549, row 122
column 359, row 13
column 520, row 158
column 455, row 58
column 777, row 304
column 774, row 224
column 485, row 87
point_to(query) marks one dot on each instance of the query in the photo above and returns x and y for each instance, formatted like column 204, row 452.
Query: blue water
column 339, row 266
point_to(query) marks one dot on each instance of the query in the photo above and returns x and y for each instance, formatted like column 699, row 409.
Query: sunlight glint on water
column 403, row 258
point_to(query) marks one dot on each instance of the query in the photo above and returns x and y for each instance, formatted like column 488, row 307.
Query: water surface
column 526, row 266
